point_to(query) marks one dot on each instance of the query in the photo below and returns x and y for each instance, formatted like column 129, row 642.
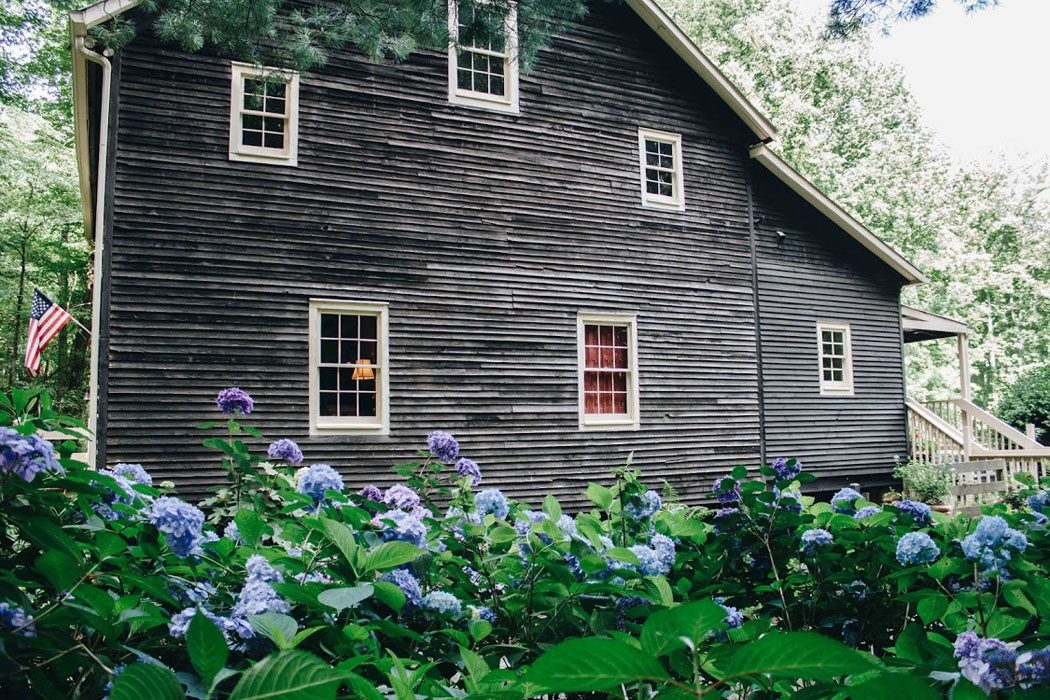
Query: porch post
column 964, row 391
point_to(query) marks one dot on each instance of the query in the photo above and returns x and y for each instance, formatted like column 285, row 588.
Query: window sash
column 486, row 98
column 835, row 364
column 285, row 154
column 651, row 172
column 608, row 377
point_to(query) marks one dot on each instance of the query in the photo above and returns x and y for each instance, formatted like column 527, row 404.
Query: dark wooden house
column 602, row 256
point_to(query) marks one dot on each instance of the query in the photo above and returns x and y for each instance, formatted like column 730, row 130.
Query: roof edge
column 808, row 191
column 673, row 35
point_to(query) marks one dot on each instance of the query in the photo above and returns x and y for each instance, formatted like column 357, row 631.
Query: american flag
column 45, row 321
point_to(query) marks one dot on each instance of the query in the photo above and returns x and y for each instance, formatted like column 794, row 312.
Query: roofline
column 97, row 13
column 808, row 191
column 919, row 320
column 673, row 36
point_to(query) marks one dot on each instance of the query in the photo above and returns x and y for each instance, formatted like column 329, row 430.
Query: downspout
column 82, row 48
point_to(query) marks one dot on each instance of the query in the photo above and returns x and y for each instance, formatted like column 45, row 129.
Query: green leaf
column 343, row 598
column 501, row 534
column 894, row 686
column 392, row 596
column 46, row 534
column 622, row 555
column 965, row 690
column 343, row 538
column 664, row 631
column 551, row 507
column 479, row 629
column 664, row 589
column 1004, row 626
column 740, row 473
column 804, row 655
column 599, row 495
column 390, row 555
column 109, row 544
column 580, row 665
column 143, row 680
column 206, row 647
column 279, row 629
column 931, row 608
column 250, row 525
column 289, row 675
column 59, row 568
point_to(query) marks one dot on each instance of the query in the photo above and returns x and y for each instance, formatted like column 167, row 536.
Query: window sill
column 609, row 424
column 480, row 101
column 349, row 429
column 837, row 392
column 665, row 204
column 292, row 161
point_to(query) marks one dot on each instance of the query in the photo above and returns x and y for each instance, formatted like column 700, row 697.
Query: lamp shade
column 363, row 370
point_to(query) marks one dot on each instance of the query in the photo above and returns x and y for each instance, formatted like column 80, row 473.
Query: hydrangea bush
column 306, row 585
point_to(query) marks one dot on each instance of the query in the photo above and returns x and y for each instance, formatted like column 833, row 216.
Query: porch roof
column 919, row 325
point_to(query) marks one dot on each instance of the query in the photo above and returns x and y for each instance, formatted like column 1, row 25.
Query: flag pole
column 71, row 316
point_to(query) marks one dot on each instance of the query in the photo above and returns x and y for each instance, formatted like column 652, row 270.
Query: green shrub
column 929, row 483
column 438, row 588
column 1027, row 401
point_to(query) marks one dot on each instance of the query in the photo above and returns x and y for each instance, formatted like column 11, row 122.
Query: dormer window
column 660, row 156
column 483, row 56
column 264, row 115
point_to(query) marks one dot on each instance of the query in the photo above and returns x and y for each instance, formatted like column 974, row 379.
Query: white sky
column 981, row 79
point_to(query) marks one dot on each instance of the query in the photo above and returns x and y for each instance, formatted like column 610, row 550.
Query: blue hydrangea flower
column 406, row 527
column 469, row 468
column 180, row 623
column 372, row 493
column 567, row 525
column 648, row 505
column 1039, row 501
column 124, row 495
column 866, row 512
column 409, row 585
column 259, row 569
column 233, row 400
column 987, row 663
column 664, row 548
column 917, row 548
column 526, row 518
column 850, row 632
column 1033, row 668
column 480, row 612
column 788, row 500
column 443, row 446
column 814, row 538
column 16, row 619
column 135, row 473
column 26, row 455
column 233, row 533
column 401, row 496
column 443, row 603
column 285, row 449
column 492, row 501
column 317, row 480
column 843, row 501
column 181, row 524
column 727, row 489
column 258, row 596
column 786, row 469
column 920, row 512
column 859, row 590
column 734, row 618
column 724, row 519
column 192, row 592
column 991, row 544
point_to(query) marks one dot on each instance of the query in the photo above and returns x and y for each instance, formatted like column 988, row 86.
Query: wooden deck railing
column 955, row 431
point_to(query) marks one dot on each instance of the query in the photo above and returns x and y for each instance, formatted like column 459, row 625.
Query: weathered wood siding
column 486, row 234
column 817, row 273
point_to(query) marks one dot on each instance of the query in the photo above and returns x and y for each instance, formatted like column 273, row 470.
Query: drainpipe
column 83, row 47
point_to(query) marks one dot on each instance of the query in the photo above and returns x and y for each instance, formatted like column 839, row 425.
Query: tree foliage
column 1027, row 401
column 850, row 124
column 848, row 17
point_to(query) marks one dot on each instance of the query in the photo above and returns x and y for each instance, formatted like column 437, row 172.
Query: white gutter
column 97, row 220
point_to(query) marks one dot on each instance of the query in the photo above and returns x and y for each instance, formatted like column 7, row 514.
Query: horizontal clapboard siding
column 817, row 273
column 485, row 233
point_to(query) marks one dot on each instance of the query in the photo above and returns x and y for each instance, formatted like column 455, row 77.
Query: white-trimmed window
column 660, row 158
column 349, row 379
column 264, row 114
column 608, row 371
column 836, row 359
column 483, row 56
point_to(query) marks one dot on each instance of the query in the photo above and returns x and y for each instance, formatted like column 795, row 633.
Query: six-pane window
column 836, row 362
column 348, row 366
column 608, row 387
column 483, row 66
column 661, row 169
column 264, row 105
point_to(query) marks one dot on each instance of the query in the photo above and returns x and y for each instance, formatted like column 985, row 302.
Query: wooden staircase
column 954, row 432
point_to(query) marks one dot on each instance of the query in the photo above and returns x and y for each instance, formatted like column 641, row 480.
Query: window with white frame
column 608, row 372
column 836, row 358
column 349, row 378
column 483, row 55
column 660, row 155
column 264, row 114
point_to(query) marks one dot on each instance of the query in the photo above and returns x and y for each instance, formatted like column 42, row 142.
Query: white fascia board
column 808, row 191
column 682, row 45
column 93, row 15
